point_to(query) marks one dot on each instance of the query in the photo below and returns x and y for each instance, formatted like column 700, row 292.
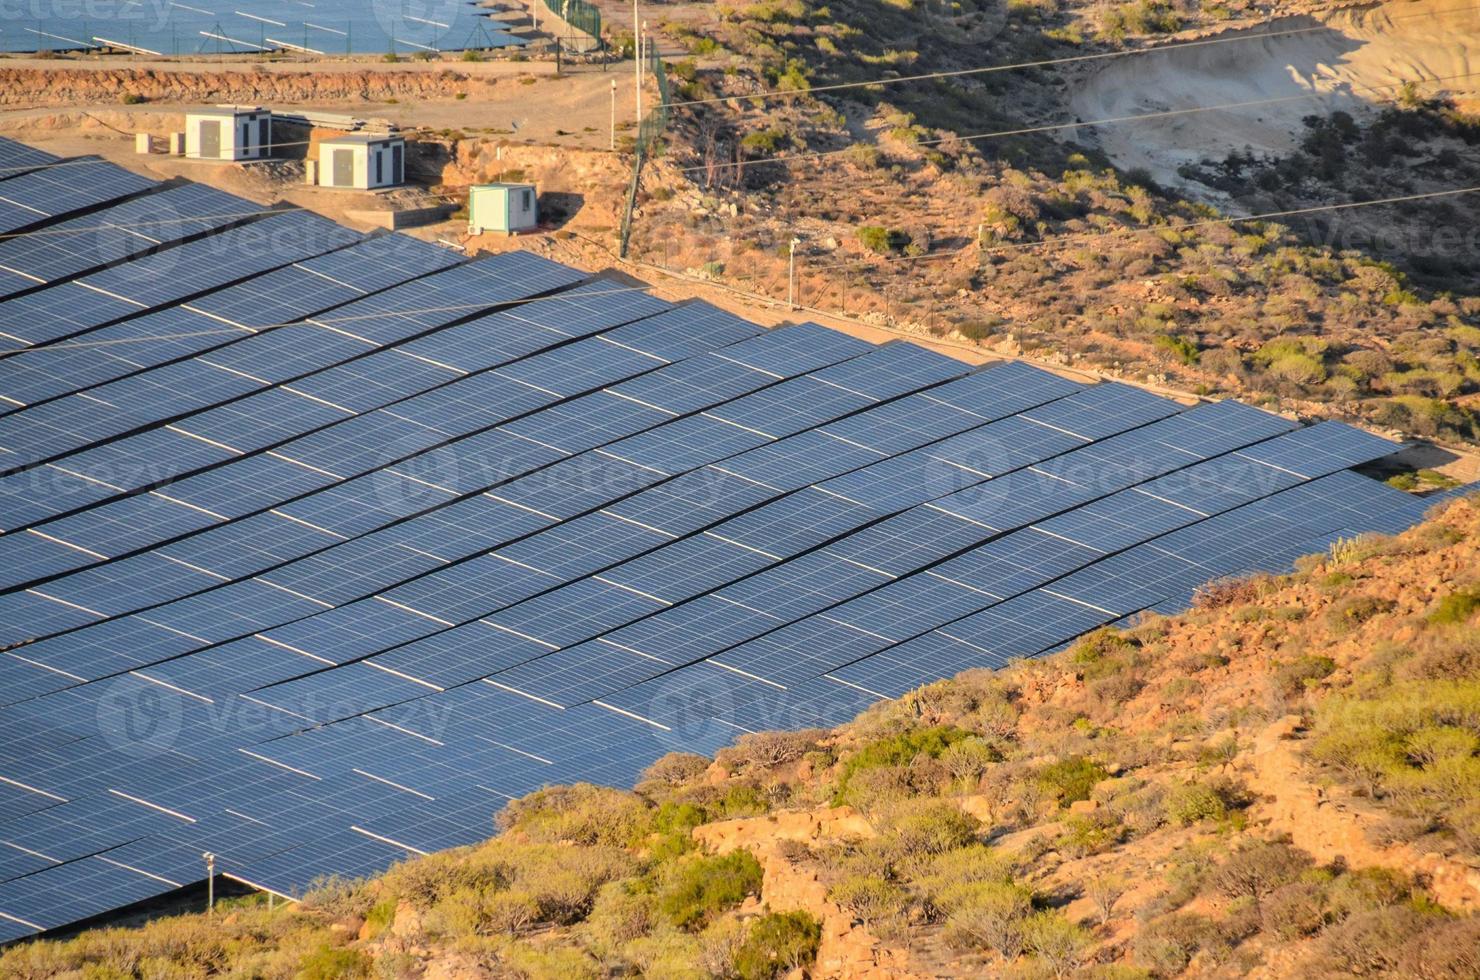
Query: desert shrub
column 1086, row 834
column 331, row 963
column 968, row 759
column 1226, row 592
column 580, row 814
column 1368, row 889
column 763, row 141
column 676, row 769
column 1356, row 610
column 1104, row 891
column 987, row 915
column 1177, row 347
column 923, row 828
column 1457, row 607
column 1402, row 940
column 764, row 750
column 870, row 898
column 623, row 911
column 1257, row 869
column 897, row 750
column 882, row 241
column 1167, row 944
column 699, row 888
column 1059, row 943
column 1071, row 780
column 1193, row 802
column 1295, row 910
column 1415, row 743
column 1294, row 676
column 777, row 944
column 339, row 898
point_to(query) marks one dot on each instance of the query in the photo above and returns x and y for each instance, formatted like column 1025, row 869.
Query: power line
column 1053, row 127
column 1042, row 63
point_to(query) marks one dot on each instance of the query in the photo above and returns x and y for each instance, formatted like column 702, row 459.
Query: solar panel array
column 330, row 27
column 319, row 548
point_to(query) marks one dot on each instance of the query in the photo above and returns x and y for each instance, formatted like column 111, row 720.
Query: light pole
column 210, row 881
column 614, row 115
column 637, row 58
column 791, row 275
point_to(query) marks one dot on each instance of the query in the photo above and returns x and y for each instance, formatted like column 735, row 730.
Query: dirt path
column 1330, row 826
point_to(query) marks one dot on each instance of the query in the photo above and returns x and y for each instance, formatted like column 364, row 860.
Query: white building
column 362, row 161
column 506, row 208
column 228, row 133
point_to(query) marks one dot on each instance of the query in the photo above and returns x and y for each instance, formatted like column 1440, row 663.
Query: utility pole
column 210, row 882
column 637, row 57
column 614, row 115
column 791, row 275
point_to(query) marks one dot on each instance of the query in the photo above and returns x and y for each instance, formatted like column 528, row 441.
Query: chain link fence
column 580, row 16
column 649, row 132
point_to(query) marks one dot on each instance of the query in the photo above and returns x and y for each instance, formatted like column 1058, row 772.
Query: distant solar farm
column 318, row 547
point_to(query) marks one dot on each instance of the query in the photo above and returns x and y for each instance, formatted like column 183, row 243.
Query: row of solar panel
column 593, row 542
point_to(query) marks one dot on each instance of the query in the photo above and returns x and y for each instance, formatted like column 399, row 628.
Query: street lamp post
column 210, row 881
column 791, row 275
column 614, row 115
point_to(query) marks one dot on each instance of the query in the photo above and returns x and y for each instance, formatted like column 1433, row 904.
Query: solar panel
column 115, row 233
column 31, row 198
column 473, row 528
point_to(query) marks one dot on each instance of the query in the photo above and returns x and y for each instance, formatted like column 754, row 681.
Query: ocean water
column 209, row 27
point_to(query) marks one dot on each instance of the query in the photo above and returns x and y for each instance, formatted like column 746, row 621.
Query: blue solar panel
column 437, row 547
column 34, row 197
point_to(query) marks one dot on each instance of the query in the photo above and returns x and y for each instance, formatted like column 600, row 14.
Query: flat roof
column 225, row 110
column 361, row 139
column 501, row 186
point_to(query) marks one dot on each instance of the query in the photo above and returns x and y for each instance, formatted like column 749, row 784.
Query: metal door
column 344, row 168
column 264, row 136
column 210, row 138
column 398, row 164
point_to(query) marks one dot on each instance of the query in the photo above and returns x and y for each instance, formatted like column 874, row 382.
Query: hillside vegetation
column 1283, row 782
column 1034, row 242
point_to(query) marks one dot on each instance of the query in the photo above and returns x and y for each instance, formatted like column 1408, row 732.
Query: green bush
column 1294, row 676
column 1180, row 348
column 1193, row 802
column 699, row 888
column 1416, row 743
column 580, row 814
column 777, row 944
column 987, row 915
column 928, row 827
column 1071, row 780
column 897, row 750
column 329, row 963
column 882, row 241
column 1457, row 607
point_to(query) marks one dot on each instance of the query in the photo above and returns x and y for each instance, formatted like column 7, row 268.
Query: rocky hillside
column 1283, row 782
column 972, row 207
